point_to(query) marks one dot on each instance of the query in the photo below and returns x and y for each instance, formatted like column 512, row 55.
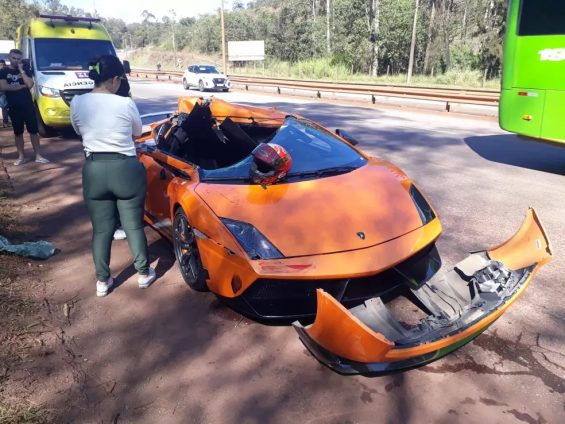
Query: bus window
column 542, row 17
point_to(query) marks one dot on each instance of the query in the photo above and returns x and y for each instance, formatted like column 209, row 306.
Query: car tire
column 225, row 90
column 185, row 84
column 201, row 86
column 45, row 131
column 187, row 254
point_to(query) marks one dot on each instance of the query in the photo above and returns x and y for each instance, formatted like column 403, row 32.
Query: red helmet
column 271, row 163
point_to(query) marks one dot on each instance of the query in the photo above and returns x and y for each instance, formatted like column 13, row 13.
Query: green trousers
column 113, row 182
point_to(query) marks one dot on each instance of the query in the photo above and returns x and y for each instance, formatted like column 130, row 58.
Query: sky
column 131, row 11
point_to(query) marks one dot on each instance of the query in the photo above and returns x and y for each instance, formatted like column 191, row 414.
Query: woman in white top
column 112, row 177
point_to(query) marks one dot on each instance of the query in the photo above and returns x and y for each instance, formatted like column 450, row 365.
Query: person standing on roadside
column 16, row 82
column 112, row 177
column 4, row 101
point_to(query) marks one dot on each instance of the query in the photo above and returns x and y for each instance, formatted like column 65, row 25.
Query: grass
column 148, row 58
column 23, row 415
column 17, row 310
column 312, row 69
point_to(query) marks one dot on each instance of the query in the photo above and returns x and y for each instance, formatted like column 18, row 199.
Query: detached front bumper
column 458, row 306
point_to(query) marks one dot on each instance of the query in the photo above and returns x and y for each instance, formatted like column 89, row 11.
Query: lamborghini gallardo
column 313, row 231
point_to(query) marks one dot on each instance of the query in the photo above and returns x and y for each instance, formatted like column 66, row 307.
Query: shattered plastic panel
column 458, row 305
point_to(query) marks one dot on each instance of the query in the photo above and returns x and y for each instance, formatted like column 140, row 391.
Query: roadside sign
column 246, row 50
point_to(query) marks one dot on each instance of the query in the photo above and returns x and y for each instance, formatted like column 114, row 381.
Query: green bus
column 532, row 99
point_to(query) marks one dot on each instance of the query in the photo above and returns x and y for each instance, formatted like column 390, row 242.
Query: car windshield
column 315, row 153
column 206, row 70
column 68, row 53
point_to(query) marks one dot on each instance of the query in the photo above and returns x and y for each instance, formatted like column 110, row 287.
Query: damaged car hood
column 355, row 210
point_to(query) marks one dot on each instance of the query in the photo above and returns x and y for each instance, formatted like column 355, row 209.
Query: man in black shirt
column 16, row 83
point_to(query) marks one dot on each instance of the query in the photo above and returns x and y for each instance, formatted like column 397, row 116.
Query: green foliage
column 491, row 32
column 463, row 57
column 206, row 34
column 14, row 13
column 117, row 29
column 396, row 28
column 21, row 414
column 351, row 44
column 451, row 34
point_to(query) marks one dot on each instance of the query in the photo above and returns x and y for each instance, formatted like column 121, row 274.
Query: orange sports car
column 287, row 221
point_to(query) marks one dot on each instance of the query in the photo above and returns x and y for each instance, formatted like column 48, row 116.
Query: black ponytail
column 104, row 68
column 94, row 71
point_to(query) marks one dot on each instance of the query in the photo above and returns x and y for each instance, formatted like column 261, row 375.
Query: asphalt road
column 169, row 354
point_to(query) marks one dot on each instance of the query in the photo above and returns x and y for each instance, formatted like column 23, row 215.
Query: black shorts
column 21, row 115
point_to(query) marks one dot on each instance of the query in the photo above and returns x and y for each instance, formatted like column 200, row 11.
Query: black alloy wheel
column 186, row 252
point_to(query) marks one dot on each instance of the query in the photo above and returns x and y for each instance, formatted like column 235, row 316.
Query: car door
column 162, row 169
column 157, row 204
column 187, row 75
column 192, row 76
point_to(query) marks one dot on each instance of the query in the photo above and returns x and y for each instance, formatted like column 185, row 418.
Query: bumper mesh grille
column 69, row 94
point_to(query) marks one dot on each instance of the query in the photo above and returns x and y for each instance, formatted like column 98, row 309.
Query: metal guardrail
column 448, row 96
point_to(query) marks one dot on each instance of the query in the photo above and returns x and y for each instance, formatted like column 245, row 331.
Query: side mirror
column 347, row 137
column 127, row 67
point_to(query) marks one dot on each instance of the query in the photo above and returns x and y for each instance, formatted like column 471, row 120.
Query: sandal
column 20, row 161
column 41, row 159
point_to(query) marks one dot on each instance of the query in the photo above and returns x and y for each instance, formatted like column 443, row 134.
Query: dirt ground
column 168, row 354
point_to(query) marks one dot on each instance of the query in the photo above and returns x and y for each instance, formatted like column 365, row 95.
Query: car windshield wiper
column 326, row 172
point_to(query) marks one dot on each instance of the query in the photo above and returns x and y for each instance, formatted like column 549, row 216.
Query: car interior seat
column 198, row 139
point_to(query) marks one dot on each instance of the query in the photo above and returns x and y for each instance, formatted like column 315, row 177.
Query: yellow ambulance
column 58, row 49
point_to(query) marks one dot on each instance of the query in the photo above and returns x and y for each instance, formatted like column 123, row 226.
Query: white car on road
column 205, row 77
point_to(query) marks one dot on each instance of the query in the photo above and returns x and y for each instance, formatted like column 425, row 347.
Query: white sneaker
column 120, row 234
column 145, row 281
column 102, row 287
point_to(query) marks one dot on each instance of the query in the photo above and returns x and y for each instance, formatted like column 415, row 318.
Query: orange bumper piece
column 338, row 332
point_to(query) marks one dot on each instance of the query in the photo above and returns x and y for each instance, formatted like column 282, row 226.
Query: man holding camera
column 16, row 82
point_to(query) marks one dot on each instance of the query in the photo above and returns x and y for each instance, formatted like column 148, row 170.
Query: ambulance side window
column 29, row 52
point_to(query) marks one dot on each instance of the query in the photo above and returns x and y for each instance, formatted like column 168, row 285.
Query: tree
column 328, row 23
column 491, row 31
column 117, row 29
column 14, row 13
column 373, row 17
column 369, row 36
column 148, row 16
column 413, row 44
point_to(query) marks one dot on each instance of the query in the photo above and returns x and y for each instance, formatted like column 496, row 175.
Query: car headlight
column 253, row 242
column 424, row 209
column 49, row 92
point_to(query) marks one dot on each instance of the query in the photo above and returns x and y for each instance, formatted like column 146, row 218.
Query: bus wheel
column 45, row 131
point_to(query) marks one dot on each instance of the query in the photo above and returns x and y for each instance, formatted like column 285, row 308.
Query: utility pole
column 224, row 58
column 413, row 44
column 173, row 14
